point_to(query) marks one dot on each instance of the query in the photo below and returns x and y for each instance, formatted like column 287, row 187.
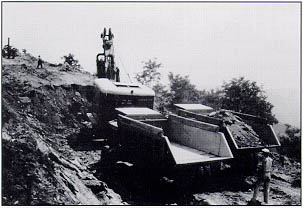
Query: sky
column 210, row 42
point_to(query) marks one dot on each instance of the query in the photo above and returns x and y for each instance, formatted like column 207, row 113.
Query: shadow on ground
column 143, row 186
column 86, row 140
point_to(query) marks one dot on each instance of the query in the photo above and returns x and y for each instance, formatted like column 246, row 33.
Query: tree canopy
column 150, row 74
column 239, row 94
column 246, row 96
column 163, row 97
column 182, row 90
column 71, row 61
column 291, row 142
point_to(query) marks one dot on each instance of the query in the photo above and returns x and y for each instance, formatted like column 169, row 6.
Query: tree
column 150, row 74
column 163, row 97
column 71, row 61
column 246, row 97
column 213, row 98
column 183, row 91
column 291, row 142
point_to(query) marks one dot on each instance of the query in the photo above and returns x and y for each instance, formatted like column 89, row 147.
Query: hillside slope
column 41, row 109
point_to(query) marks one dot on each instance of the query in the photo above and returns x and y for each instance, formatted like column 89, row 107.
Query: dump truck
column 146, row 137
column 245, row 138
column 165, row 142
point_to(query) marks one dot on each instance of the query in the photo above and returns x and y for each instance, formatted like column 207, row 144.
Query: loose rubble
column 243, row 133
column 41, row 109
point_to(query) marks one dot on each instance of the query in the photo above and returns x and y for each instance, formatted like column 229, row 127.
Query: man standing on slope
column 39, row 63
column 264, row 176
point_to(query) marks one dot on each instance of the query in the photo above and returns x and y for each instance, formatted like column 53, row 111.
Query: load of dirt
column 243, row 133
column 41, row 109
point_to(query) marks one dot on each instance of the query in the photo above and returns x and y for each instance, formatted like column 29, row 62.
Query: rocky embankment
column 42, row 110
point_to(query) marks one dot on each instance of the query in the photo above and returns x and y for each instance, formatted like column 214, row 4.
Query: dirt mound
column 243, row 134
column 41, row 109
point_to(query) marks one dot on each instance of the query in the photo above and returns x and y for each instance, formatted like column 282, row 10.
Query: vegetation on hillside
column 71, row 63
column 239, row 94
column 291, row 142
column 246, row 96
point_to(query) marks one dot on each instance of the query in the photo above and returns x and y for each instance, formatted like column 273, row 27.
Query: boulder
column 25, row 100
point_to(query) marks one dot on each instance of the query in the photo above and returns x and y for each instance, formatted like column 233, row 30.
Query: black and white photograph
column 151, row 103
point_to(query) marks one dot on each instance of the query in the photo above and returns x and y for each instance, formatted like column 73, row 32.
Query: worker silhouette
column 117, row 74
column 264, row 176
column 40, row 62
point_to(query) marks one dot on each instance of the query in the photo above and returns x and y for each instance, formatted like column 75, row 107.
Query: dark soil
column 42, row 108
column 243, row 133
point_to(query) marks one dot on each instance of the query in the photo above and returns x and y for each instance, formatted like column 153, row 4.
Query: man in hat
column 264, row 176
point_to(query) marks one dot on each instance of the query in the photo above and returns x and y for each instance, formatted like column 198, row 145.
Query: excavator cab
column 111, row 92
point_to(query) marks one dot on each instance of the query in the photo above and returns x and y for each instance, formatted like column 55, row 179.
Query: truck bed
column 265, row 131
column 182, row 141
column 185, row 155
